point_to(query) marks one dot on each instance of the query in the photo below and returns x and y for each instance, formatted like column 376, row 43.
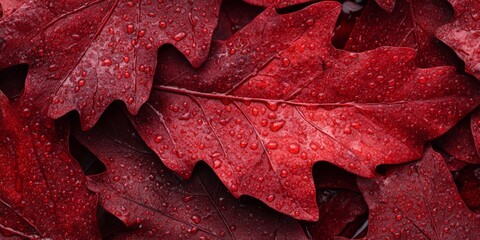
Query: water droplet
column 275, row 126
column 216, row 154
column 162, row 25
column 26, row 112
column 158, row 139
column 217, row 164
column 272, row 145
column 398, row 217
column 196, row 219
column 294, row 148
column 130, row 28
column 270, row 198
column 81, row 82
column 179, row 36
column 283, row 173
column 422, row 80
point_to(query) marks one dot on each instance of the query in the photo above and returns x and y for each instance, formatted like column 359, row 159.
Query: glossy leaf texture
column 277, row 97
column 418, row 200
column 86, row 54
column 154, row 203
column 463, row 34
column 410, row 24
column 42, row 191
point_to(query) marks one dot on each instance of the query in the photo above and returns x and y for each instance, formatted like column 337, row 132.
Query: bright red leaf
column 463, row 34
column 410, row 24
column 42, row 191
column 418, row 200
column 146, row 196
column 277, row 97
column 85, row 54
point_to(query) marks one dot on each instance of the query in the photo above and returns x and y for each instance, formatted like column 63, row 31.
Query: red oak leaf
column 463, row 34
column 459, row 142
column 418, row 200
column 42, row 192
column 145, row 195
column 277, row 97
column 410, row 24
column 85, row 54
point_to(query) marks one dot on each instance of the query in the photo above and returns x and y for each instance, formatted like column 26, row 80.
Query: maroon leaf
column 7, row 7
column 468, row 180
column 42, row 192
column 463, row 34
column 410, row 24
column 145, row 195
column 85, row 54
column 337, row 210
column 418, row 200
column 277, row 97
column 459, row 142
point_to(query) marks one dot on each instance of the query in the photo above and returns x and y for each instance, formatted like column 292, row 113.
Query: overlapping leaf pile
column 209, row 119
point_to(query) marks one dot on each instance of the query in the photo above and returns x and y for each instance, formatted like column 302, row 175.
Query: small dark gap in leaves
column 356, row 229
column 381, row 169
column 90, row 164
column 234, row 15
column 351, row 11
column 294, row 8
column 110, row 226
column 12, row 79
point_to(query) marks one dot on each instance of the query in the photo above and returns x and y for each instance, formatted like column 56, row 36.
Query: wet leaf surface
column 261, row 111
column 85, row 54
column 42, row 191
column 410, row 24
column 138, row 189
column 418, row 200
column 463, row 34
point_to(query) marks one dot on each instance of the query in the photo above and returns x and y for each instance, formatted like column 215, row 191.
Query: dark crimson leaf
column 278, row 97
column 412, row 23
column 85, row 54
column 463, row 34
column 459, row 143
column 468, row 180
column 42, row 192
column 146, row 196
column 337, row 210
column 418, row 200
column 7, row 7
